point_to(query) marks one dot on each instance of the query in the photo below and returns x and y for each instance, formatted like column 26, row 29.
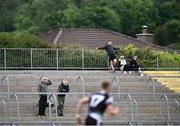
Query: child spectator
column 123, row 65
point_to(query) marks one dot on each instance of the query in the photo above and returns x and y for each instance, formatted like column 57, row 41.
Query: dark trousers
column 126, row 68
column 91, row 121
column 135, row 68
column 42, row 104
column 60, row 108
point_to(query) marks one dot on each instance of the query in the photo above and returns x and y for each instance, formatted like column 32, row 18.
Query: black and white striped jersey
column 98, row 102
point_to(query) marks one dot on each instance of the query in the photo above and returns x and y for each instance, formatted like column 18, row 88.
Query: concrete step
column 148, row 114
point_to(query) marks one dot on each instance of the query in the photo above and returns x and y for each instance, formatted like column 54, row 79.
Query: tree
column 66, row 18
column 169, row 10
column 125, row 16
column 168, row 33
column 99, row 17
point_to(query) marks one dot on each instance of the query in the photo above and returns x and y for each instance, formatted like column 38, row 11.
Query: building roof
column 92, row 38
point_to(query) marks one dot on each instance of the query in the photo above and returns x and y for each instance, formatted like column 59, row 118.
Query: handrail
column 87, row 93
column 178, row 104
column 5, row 107
column 2, row 82
column 118, row 84
column 150, row 79
column 13, row 124
column 82, row 79
column 137, row 110
column 50, row 108
column 167, row 106
column 115, row 78
column 131, row 107
column 52, row 124
column 17, row 105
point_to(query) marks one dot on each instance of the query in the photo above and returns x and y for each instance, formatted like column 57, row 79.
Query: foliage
column 19, row 40
column 168, row 33
column 69, row 58
column 175, row 46
column 125, row 16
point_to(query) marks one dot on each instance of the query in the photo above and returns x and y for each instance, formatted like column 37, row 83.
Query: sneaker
column 61, row 114
column 125, row 72
column 130, row 72
column 141, row 74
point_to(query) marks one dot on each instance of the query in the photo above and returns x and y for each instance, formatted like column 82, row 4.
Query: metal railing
column 4, row 107
column 167, row 107
column 115, row 82
column 132, row 101
column 133, row 104
column 50, row 107
column 5, row 78
column 16, row 96
column 57, row 59
column 52, row 124
column 17, row 106
column 81, row 79
column 151, row 82
column 178, row 104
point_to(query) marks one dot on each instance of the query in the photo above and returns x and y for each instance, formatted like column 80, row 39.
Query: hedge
column 73, row 58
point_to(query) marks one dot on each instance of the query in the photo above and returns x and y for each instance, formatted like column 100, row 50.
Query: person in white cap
column 123, row 65
column 42, row 88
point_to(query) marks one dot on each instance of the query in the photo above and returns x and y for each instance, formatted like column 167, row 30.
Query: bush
column 69, row 58
column 19, row 40
column 168, row 33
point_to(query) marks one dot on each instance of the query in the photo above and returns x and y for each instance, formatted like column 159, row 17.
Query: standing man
column 42, row 88
column 111, row 54
column 98, row 103
column 63, row 88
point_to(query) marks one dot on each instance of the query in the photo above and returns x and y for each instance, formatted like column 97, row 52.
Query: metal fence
column 15, row 109
column 58, row 59
column 14, row 105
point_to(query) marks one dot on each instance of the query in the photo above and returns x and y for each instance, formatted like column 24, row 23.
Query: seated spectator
column 63, row 88
column 123, row 65
column 134, row 65
column 42, row 88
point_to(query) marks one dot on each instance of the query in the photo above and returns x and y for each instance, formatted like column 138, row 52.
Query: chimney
column 145, row 36
column 145, row 29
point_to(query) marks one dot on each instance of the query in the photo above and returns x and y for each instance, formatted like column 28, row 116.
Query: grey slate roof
column 92, row 38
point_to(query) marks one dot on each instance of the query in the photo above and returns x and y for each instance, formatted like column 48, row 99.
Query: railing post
column 157, row 60
column 31, row 59
column 82, row 79
column 17, row 106
column 5, row 63
column 57, row 59
column 50, row 107
column 167, row 107
column 118, row 84
column 82, row 59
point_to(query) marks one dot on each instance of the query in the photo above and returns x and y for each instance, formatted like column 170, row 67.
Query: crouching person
column 63, row 88
column 134, row 65
column 42, row 88
column 123, row 65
